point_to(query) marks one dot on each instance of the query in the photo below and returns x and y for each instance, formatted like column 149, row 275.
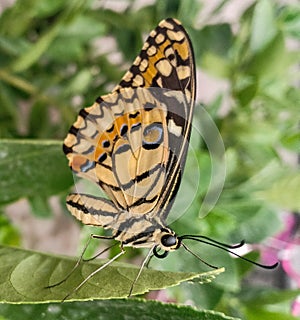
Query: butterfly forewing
column 133, row 142
column 165, row 61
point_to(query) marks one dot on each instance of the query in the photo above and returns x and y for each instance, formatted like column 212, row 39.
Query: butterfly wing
column 92, row 210
column 121, row 145
column 133, row 142
column 167, row 61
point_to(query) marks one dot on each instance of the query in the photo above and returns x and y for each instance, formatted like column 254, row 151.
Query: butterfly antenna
column 195, row 255
column 222, row 246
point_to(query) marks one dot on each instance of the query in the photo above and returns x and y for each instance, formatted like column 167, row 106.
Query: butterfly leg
column 95, row 236
column 92, row 236
column 145, row 263
column 149, row 260
column 95, row 272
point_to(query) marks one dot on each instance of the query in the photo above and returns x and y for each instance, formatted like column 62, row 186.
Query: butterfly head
column 167, row 241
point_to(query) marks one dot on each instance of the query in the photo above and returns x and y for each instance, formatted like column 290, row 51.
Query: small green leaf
column 81, row 82
column 245, row 89
column 21, row 11
column 45, row 8
column 187, row 11
column 110, row 310
column 216, row 65
column 267, row 297
column 40, row 207
column 271, row 61
column 33, row 54
column 9, row 235
column 25, row 275
column 290, row 21
column 263, row 26
column 291, row 141
column 208, row 295
column 35, row 51
column 216, row 39
column 38, row 121
column 285, row 192
column 257, row 313
column 28, row 168
column 255, row 222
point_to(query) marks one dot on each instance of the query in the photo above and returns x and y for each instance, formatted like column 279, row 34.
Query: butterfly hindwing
column 92, row 210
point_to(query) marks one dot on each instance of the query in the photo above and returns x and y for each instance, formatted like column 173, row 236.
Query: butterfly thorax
column 147, row 233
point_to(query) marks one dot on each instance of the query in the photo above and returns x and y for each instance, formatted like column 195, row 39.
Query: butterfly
column 133, row 144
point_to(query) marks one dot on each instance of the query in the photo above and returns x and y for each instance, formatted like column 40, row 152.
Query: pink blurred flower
column 296, row 307
column 285, row 247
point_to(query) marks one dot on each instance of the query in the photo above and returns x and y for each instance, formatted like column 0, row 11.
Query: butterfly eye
column 169, row 240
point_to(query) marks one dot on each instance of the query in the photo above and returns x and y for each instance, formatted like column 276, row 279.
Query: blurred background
column 58, row 56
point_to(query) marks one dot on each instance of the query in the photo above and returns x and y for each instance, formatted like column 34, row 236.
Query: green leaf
column 263, row 26
column 39, row 120
column 285, row 193
column 8, row 114
column 216, row 39
column 40, row 207
column 271, row 61
column 81, row 82
column 37, row 49
column 28, row 168
column 206, row 296
column 21, row 11
column 109, row 310
column 245, row 89
column 268, row 297
column 257, row 313
column 291, row 141
column 254, row 220
column 9, row 235
column 290, row 20
column 244, row 268
column 26, row 274
column 78, row 34
column 216, row 65
column 188, row 10
column 47, row 8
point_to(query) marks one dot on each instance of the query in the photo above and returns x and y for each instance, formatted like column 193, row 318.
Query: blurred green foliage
column 53, row 61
